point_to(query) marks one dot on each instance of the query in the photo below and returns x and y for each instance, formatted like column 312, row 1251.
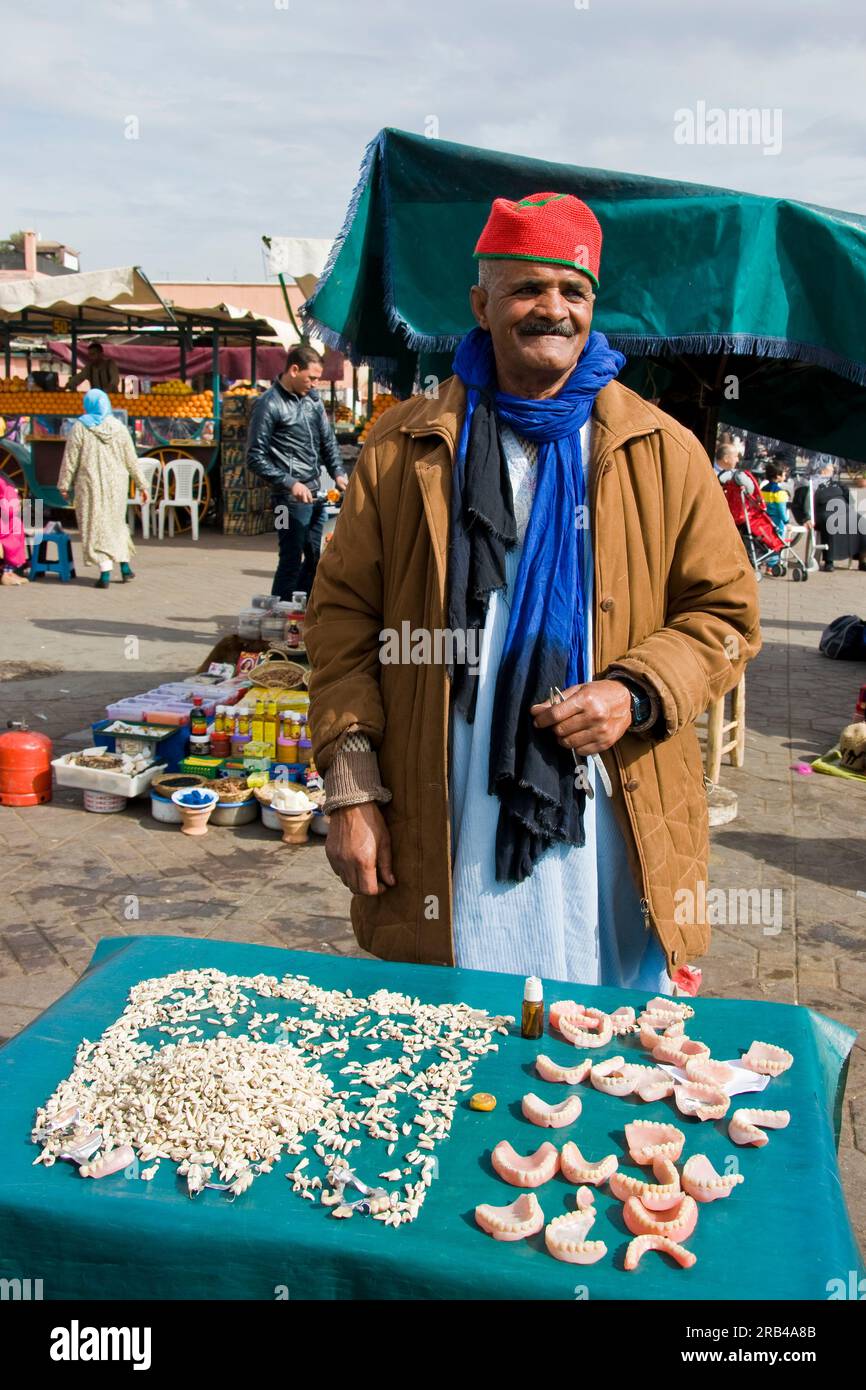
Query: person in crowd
column 98, row 462
column 830, row 515
column 529, row 798
column 727, row 457
column 13, row 547
column 290, row 440
column 776, row 496
column 100, row 372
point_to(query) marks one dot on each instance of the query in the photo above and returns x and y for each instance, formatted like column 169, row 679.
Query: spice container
column 532, row 1017
column 273, row 626
column 249, row 623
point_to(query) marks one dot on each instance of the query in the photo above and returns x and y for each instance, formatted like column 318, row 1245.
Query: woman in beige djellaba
column 98, row 462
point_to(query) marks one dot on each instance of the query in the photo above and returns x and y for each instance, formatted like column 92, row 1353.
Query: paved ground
column 68, row 878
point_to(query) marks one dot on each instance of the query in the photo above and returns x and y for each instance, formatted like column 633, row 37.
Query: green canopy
column 752, row 305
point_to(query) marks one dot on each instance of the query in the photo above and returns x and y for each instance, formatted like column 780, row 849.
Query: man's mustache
column 538, row 328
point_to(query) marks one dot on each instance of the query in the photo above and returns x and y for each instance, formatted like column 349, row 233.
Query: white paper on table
column 741, row 1082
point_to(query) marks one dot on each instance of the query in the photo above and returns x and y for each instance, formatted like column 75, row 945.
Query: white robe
column 578, row 916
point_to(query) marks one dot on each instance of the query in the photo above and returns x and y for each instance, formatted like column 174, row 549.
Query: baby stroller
column 768, row 553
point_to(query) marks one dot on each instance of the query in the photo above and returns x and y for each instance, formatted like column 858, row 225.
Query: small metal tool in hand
column 581, row 776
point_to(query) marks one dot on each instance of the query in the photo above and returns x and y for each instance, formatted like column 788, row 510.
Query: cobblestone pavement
column 68, row 878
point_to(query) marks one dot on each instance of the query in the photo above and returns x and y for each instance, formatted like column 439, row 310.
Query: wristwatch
column 641, row 704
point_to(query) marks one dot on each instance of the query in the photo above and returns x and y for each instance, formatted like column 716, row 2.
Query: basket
column 208, row 768
column 176, row 781
column 277, row 672
column 103, row 803
column 232, row 790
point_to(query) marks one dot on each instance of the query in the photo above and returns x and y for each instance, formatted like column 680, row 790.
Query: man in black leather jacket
column 290, row 439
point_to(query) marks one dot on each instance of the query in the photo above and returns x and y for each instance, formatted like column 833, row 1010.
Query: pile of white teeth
column 226, row 1108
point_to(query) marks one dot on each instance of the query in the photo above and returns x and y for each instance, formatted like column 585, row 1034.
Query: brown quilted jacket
column 675, row 604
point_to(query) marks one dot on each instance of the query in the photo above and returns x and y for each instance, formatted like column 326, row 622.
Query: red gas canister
column 25, row 767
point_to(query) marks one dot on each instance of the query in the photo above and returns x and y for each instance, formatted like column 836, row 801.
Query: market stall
column 169, row 421
column 409, row 1049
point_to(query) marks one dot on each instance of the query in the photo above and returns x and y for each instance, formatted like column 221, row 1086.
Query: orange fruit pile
column 380, row 405
column 17, row 400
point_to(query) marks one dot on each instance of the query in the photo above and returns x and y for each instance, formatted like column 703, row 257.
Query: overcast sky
column 252, row 115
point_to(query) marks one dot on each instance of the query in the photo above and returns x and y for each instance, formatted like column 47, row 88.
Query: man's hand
column 359, row 848
column 590, row 719
column 300, row 493
column 341, row 482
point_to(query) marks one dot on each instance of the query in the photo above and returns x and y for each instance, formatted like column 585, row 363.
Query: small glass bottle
column 532, row 1018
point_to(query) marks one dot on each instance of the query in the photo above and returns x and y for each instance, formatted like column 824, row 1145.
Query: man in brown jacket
column 467, row 802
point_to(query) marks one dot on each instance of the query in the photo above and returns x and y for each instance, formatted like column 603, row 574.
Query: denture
column 676, row 1222
column 108, row 1163
column 521, row 1218
column 653, row 1084
column 701, row 1181
column 592, row 1028
column 577, row 1169
column 529, row 1171
column 649, row 1139
column 614, row 1076
column 638, row 1247
column 565, row 1238
column 584, row 1197
column 673, row 1007
column 677, row 1051
column 660, row 1195
column 709, row 1102
column 563, row 1006
column 549, row 1070
column 551, row 1116
column 708, row 1072
column 747, row 1126
column 622, row 1020
column 767, row 1059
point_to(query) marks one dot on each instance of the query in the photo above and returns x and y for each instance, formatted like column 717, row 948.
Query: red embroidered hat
column 555, row 228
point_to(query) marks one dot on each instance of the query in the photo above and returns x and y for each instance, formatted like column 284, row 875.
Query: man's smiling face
column 539, row 317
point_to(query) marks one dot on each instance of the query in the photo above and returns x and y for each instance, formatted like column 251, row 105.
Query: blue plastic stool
column 62, row 565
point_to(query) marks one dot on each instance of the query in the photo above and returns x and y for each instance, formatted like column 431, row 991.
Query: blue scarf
column 545, row 641
column 97, row 407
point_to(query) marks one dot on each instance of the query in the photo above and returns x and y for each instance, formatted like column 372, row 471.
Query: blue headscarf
column 97, row 407
column 546, row 636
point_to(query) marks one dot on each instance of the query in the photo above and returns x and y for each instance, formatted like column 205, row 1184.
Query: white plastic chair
column 187, row 475
column 152, row 472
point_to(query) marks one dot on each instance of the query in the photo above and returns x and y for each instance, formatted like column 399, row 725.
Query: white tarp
column 125, row 288
column 296, row 256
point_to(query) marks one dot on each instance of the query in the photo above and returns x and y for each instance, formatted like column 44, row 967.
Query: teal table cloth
column 784, row 1233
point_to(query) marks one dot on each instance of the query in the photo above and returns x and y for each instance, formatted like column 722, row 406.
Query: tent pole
column 215, row 372
column 7, row 351
column 253, row 363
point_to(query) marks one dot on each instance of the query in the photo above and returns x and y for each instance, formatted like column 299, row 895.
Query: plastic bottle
column 197, row 718
column 305, row 750
column 245, row 720
column 258, row 730
column 287, row 747
column 270, row 727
